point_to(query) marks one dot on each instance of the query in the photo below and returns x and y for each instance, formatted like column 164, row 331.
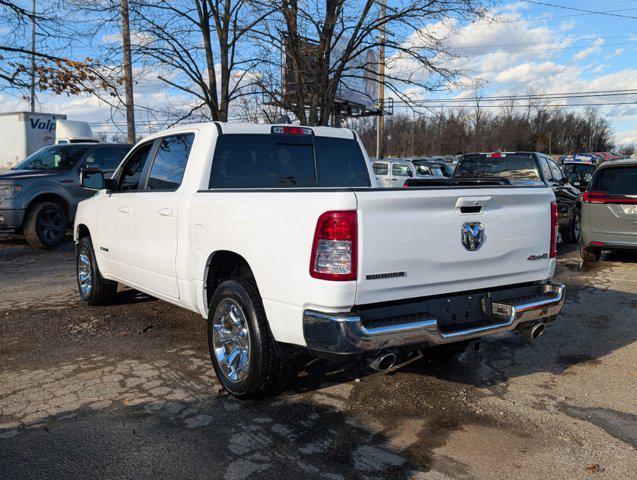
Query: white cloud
column 616, row 53
column 137, row 38
column 527, row 72
column 595, row 48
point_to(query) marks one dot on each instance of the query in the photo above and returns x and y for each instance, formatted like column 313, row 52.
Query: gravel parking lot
column 127, row 391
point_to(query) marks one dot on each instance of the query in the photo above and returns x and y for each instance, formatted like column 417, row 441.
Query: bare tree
column 27, row 65
column 325, row 47
column 513, row 128
column 200, row 49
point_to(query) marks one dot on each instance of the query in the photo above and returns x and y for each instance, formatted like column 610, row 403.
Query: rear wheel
column 573, row 233
column 241, row 347
column 45, row 225
column 94, row 289
column 589, row 254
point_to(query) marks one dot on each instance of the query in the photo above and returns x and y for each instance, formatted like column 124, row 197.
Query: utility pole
column 128, row 74
column 380, row 123
column 32, row 96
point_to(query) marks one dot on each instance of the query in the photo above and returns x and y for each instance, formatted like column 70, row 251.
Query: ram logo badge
column 473, row 236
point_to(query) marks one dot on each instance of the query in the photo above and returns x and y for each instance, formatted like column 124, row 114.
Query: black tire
column 45, row 225
column 589, row 254
column 101, row 291
column 573, row 233
column 267, row 373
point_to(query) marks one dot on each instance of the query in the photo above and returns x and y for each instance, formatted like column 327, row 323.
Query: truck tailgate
column 410, row 241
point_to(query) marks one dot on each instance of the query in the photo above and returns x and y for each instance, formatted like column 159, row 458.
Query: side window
column 400, row 170
column 380, row 168
column 546, row 171
column 132, row 170
column 424, row 170
column 170, row 162
column 105, row 158
column 555, row 170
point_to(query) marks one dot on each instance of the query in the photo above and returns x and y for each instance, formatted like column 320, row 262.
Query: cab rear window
column 616, row 180
column 286, row 161
column 513, row 166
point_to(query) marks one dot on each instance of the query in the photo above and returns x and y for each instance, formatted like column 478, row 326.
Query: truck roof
column 631, row 162
column 254, row 128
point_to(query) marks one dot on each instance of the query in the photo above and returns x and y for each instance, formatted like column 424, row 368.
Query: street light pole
column 32, row 96
column 380, row 122
column 128, row 74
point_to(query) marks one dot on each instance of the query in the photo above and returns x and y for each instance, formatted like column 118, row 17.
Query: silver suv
column 609, row 210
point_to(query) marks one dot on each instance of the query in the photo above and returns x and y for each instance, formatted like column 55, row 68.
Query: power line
column 541, row 19
column 591, row 36
column 404, row 103
column 486, row 52
column 593, row 12
column 538, row 96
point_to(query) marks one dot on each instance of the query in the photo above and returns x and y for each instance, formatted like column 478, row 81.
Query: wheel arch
column 81, row 232
column 224, row 265
column 51, row 197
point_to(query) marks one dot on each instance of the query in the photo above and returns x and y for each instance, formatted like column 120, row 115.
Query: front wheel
column 94, row 289
column 45, row 225
column 241, row 348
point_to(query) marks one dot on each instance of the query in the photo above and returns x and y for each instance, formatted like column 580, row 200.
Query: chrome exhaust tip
column 383, row 362
column 534, row 331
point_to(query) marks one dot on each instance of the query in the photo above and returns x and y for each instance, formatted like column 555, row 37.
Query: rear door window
column 287, row 161
column 555, row 171
column 106, row 158
column 400, row 170
column 170, row 161
column 381, row 168
column 616, row 180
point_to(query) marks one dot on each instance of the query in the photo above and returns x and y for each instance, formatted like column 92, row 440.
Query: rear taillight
column 604, row 197
column 334, row 247
column 554, row 229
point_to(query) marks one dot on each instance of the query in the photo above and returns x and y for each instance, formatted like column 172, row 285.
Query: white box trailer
column 22, row 133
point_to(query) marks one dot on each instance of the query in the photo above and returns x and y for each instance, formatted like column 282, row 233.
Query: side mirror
column 92, row 179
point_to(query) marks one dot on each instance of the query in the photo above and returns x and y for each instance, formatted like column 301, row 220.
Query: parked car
column 393, row 172
column 609, row 210
column 275, row 234
column 525, row 167
column 580, row 171
column 438, row 169
column 38, row 196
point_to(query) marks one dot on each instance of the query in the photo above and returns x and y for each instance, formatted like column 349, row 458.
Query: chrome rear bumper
column 345, row 333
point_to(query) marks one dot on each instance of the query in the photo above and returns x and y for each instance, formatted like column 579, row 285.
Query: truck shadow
column 594, row 323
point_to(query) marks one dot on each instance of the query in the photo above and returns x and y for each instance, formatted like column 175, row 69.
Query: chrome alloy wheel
column 231, row 340
column 84, row 273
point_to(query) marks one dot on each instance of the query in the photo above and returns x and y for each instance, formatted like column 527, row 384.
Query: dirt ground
column 127, row 391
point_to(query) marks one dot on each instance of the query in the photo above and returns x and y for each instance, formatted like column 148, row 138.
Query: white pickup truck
column 277, row 236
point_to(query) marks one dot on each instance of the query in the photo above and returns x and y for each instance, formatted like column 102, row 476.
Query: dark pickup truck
column 528, row 167
column 38, row 196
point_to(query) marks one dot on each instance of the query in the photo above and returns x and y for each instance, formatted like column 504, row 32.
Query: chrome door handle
column 124, row 209
column 165, row 212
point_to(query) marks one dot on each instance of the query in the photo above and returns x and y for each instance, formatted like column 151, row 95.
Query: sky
column 520, row 47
